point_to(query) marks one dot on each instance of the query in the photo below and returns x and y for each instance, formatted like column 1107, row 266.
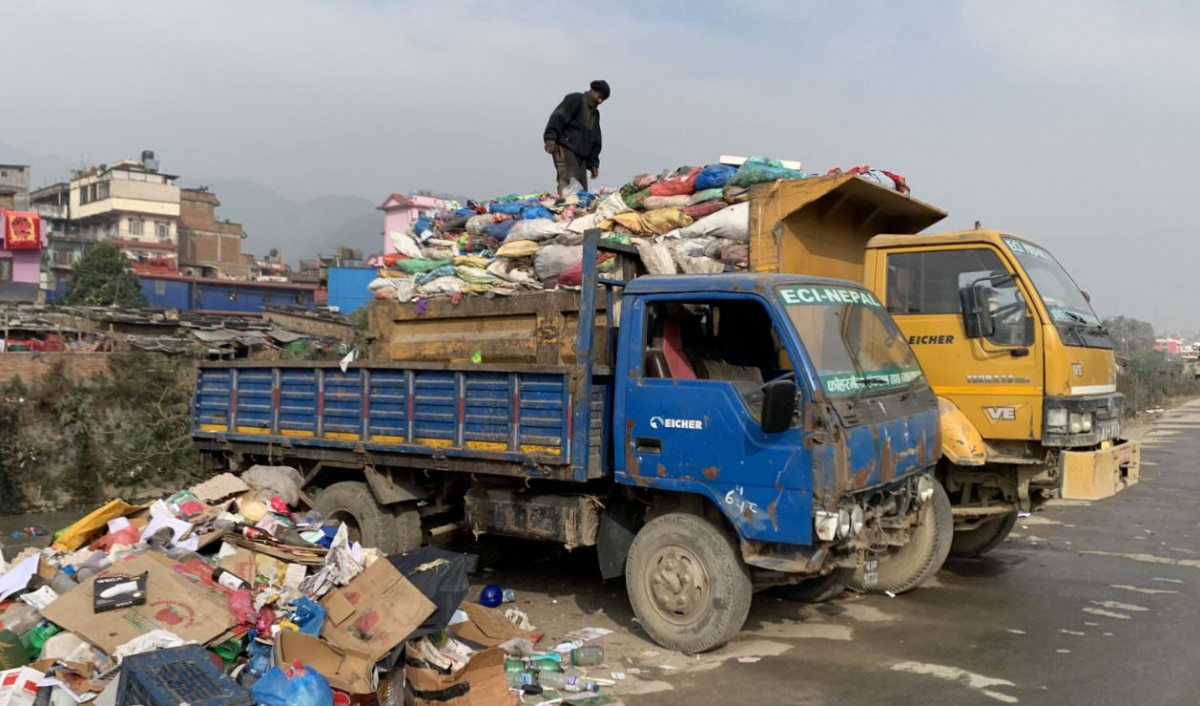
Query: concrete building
column 132, row 205
column 400, row 212
column 209, row 247
column 14, row 187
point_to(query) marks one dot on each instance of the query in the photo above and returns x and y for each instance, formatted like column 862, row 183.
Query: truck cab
column 1014, row 349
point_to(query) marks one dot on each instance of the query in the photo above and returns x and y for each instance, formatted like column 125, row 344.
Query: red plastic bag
column 573, row 275
column 392, row 258
column 700, row 210
column 676, row 186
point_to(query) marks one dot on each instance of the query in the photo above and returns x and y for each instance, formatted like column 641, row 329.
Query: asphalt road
column 1086, row 603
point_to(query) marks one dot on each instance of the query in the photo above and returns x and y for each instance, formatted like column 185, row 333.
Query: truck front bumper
column 1098, row 474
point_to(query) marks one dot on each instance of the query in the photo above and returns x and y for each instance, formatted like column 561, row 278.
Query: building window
column 103, row 190
column 94, row 192
column 163, row 229
column 83, row 195
column 6, row 269
column 135, row 226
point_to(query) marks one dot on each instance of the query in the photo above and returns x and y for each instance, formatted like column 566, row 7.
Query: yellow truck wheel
column 984, row 538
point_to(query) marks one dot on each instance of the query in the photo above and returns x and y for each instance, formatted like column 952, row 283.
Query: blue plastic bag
column 422, row 224
column 299, row 685
column 465, row 212
column 714, row 176
column 758, row 170
column 498, row 231
column 530, row 212
column 308, row 615
column 508, row 209
column 443, row 271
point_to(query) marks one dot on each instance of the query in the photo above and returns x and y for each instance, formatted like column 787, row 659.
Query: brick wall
column 30, row 367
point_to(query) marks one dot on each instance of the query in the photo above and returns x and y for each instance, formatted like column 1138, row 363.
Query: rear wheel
column 907, row 567
column 819, row 589
column 687, row 583
column 984, row 538
column 367, row 521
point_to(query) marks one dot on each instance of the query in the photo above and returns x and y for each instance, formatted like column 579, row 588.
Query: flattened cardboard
column 225, row 485
column 484, row 676
column 191, row 611
column 240, row 564
column 345, row 670
column 487, row 627
column 378, row 610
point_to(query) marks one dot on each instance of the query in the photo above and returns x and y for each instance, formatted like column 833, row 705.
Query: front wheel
column 907, row 567
column 984, row 538
column 687, row 584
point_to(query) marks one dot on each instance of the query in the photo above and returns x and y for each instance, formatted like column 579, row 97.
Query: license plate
column 871, row 573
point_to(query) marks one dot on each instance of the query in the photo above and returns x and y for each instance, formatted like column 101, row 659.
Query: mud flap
column 1095, row 475
column 618, row 525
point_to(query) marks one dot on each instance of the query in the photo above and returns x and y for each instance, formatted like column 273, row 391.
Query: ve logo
column 1001, row 414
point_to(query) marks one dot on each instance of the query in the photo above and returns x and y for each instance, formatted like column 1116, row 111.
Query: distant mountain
column 297, row 229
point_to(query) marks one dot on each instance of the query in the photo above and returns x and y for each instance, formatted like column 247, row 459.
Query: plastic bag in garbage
column 416, row 266
column 700, row 210
column 443, row 271
column 517, row 249
column 499, row 231
column 732, row 223
column 656, row 257
column 653, row 202
column 538, row 211
column 610, row 206
column 405, row 244
column 297, row 685
column 758, row 169
column 476, row 224
column 657, row 222
column 673, row 186
column 552, row 259
column 706, row 196
column 714, row 176
column 441, row 286
column 535, row 229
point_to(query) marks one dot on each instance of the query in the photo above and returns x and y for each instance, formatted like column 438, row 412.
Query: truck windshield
column 854, row 345
column 1073, row 316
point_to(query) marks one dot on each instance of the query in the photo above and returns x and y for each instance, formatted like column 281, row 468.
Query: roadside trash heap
column 689, row 220
column 236, row 592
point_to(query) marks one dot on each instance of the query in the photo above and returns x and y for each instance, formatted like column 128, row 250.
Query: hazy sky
column 1074, row 123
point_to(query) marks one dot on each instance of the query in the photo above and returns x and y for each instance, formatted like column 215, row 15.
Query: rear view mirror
column 778, row 406
column 977, row 317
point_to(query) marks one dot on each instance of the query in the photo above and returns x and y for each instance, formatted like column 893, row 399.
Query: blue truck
column 710, row 435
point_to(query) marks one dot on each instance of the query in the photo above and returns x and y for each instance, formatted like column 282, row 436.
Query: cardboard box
column 480, row 683
column 345, row 670
column 240, row 564
column 378, row 610
column 487, row 627
column 191, row 611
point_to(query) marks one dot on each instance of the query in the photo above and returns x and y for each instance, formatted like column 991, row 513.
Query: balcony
column 51, row 211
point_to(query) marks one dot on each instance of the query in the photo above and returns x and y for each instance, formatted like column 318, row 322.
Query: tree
column 1129, row 335
column 102, row 277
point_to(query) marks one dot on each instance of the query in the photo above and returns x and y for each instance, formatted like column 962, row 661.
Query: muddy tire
column 368, row 522
column 687, row 584
column 817, row 590
column 984, row 538
column 929, row 544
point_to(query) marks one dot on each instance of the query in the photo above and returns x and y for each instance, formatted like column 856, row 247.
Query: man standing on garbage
column 572, row 136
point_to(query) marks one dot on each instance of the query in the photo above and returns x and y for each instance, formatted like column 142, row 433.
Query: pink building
column 20, row 267
column 399, row 212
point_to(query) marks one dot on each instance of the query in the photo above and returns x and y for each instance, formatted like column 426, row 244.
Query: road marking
column 1016, row 632
column 1092, row 625
column 978, row 682
column 1106, row 613
column 1151, row 591
column 1166, row 580
column 1063, row 652
column 1073, row 632
column 1149, row 558
column 1114, row 605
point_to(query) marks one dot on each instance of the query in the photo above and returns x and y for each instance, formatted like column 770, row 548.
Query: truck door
column 996, row 381
column 692, row 408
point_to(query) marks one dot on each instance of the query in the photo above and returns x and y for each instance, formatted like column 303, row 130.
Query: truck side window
column 730, row 340
column 928, row 283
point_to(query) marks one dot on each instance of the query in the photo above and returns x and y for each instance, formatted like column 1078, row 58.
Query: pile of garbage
column 689, row 220
column 236, row 591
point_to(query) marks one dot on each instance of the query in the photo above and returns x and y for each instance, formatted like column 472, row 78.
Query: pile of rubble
column 690, row 219
column 237, row 592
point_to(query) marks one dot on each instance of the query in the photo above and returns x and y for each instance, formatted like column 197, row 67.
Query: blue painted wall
column 218, row 295
column 348, row 287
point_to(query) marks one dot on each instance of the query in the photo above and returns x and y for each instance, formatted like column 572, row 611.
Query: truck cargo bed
column 507, row 420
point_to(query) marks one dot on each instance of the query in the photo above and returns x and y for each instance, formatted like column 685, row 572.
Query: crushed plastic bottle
column 587, row 656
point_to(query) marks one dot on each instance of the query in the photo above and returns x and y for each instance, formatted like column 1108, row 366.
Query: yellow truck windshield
column 854, row 345
column 1073, row 316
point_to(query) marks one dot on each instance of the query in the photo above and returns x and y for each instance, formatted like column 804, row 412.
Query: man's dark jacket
column 571, row 128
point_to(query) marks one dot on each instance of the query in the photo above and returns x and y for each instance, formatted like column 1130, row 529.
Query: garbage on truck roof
column 693, row 219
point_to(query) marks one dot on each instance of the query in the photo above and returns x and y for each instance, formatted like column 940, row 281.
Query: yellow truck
column 1023, row 369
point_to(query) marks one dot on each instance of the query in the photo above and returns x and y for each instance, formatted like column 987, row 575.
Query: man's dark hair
column 602, row 88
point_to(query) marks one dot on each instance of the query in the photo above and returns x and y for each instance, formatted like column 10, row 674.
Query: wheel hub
column 678, row 584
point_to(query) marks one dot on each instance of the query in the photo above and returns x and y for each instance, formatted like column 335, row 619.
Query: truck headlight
column 1080, row 423
column 925, row 489
column 856, row 521
column 1056, row 419
column 843, row 529
column 826, row 524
